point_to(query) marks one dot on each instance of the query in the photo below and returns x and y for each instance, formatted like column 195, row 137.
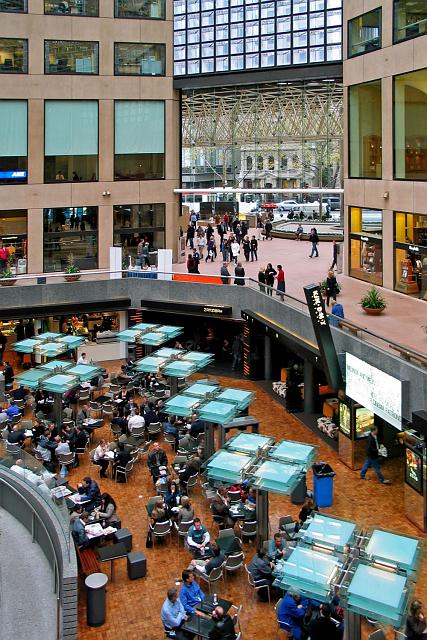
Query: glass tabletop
column 277, row 477
column 167, row 352
column 128, row 335
column 217, row 412
column 56, row 364
column 84, row 371
column 143, row 326
column 393, row 549
column 32, row 377
column 309, row 571
column 60, row 383
column 150, row 364
column 201, row 358
column 237, row 396
column 248, row 442
column 152, row 338
column 170, row 331
column 180, row 405
column 379, row 594
column 332, row 533
column 200, row 390
column 227, row 467
column 179, row 368
column 25, row 346
column 296, row 452
column 48, row 335
column 72, row 341
column 52, row 348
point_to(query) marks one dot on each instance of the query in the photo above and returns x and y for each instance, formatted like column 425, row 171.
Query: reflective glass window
column 13, row 55
column 13, row 141
column 13, row 6
column 135, row 222
column 13, row 240
column 364, row 33
column 410, row 19
column 410, row 125
column 138, row 59
column 70, row 234
column 72, row 7
column 155, row 9
column 365, row 130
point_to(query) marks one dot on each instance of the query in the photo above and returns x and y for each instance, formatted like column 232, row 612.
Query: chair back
column 234, row 496
column 137, row 432
column 377, row 635
column 66, row 458
column 249, row 528
column 12, row 448
column 277, row 606
column 216, row 574
column 192, row 480
column 234, row 561
column 162, row 528
column 94, row 406
column 17, row 418
column 92, row 455
column 116, row 430
column 226, row 533
column 250, row 577
column 170, row 438
column 183, row 527
column 154, row 427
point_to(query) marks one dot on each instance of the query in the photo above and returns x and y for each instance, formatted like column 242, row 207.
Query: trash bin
column 299, row 494
column 323, row 484
column 95, row 605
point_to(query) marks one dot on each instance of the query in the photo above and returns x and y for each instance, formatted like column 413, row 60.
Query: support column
column 267, row 357
column 173, row 383
column 221, row 436
column 309, row 390
column 262, row 516
column 352, row 630
column 209, row 440
column 57, row 409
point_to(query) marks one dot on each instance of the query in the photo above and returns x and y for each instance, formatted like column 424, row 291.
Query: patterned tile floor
column 133, row 607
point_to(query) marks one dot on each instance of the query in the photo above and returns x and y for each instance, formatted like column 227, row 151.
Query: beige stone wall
column 390, row 60
column 36, row 87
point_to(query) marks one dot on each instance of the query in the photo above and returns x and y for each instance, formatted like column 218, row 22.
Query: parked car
column 331, row 203
column 289, row 205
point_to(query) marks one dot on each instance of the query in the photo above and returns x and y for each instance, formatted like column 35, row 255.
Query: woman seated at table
column 158, row 514
column 190, row 469
column 107, row 510
column 307, row 510
column 172, row 498
column 186, row 513
column 100, row 457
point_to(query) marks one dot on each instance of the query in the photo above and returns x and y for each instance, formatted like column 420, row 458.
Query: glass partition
column 365, row 130
column 13, row 6
column 13, row 241
column 13, row 55
column 69, row 56
column 151, row 9
column 410, row 125
column 70, row 233
column 13, row 141
column 139, row 140
column 364, row 33
column 366, row 260
column 71, row 140
column 72, row 7
column 410, row 253
column 136, row 222
column 410, row 19
column 139, row 59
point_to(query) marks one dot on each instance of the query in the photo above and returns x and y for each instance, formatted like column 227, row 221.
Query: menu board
column 414, row 470
column 345, row 419
column 364, row 422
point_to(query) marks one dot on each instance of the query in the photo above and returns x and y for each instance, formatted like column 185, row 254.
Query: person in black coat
column 121, row 458
column 239, row 274
column 324, row 627
column 314, row 239
column 157, row 459
column 224, row 626
column 373, row 456
column 270, row 274
column 331, row 287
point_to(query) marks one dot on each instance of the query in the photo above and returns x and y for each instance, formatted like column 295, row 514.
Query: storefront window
column 364, row 33
column 410, row 19
column 154, row 9
column 13, row 241
column 365, row 135
column 70, row 234
column 72, row 7
column 71, row 140
column 13, row 55
column 136, row 222
column 66, row 56
column 410, row 253
column 139, row 140
column 410, row 125
column 137, row 59
column 366, row 230
column 13, row 141
column 13, row 6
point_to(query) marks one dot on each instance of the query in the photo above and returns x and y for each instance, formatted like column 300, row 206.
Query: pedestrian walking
column 331, row 288
column 210, row 248
column 314, row 239
column 261, row 279
column 334, row 254
column 246, row 246
column 201, row 244
column 190, row 236
column 235, row 250
column 268, row 228
column 237, row 352
column 270, row 274
column 373, row 455
column 239, row 274
column 254, row 249
column 280, row 282
column 259, row 227
column 225, row 274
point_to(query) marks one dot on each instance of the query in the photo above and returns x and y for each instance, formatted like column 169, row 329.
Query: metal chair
column 114, row 389
column 95, row 409
column 236, row 618
column 234, row 562
column 16, row 419
column 13, row 449
column 191, row 482
column 125, row 470
column 287, row 527
column 66, row 459
column 138, row 432
column 215, row 575
column 154, row 429
column 252, row 583
column 182, row 528
column 170, row 439
column 234, row 496
column 107, row 410
column 248, row 529
column 398, row 635
column 377, row 635
column 161, row 529
column 116, row 431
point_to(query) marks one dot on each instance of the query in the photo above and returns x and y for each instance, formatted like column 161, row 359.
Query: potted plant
column 323, row 287
column 72, row 272
column 8, row 278
column 373, row 302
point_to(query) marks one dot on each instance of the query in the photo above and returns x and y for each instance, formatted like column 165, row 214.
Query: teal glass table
column 378, row 594
column 181, row 405
column 249, row 443
column 294, row 452
column 331, row 533
column 227, row 467
column 25, row 346
column 311, row 572
column 179, row 368
column 217, row 412
column 58, row 365
column 84, row 372
column 32, row 377
column 150, row 364
column 59, row 383
column 278, row 477
column 48, row 336
column 201, row 390
column 392, row 549
column 237, row 396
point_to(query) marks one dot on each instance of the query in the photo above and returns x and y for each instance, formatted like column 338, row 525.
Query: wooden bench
column 88, row 561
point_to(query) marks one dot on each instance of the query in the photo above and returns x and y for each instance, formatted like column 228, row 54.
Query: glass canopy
column 180, row 405
column 248, row 443
column 378, row 594
column 59, row 383
column 143, row 326
column 217, row 412
column 51, row 349
column 311, row 572
column 128, row 335
column 57, row 364
column 277, row 477
column 227, row 467
column 48, row 344
column 237, row 396
column 31, row 378
column 202, row 359
column 294, row 452
column 328, row 532
column 200, row 390
column 391, row 549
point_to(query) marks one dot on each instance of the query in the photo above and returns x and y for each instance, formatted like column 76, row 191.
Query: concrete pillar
column 262, row 516
column 267, row 357
column 209, row 440
column 352, row 626
column 309, row 389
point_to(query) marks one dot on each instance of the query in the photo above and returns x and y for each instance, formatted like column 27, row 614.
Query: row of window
column 283, row 7
column 409, row 21
column 71, row 140
column 409, row 124
column 144, row 9
column 74, row 230
column 81, row 57
column 297, row 22
column 410, row 249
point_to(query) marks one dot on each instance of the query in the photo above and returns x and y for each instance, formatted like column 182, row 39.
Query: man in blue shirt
column 12, row 409
column 191, row 594
column 276, row 548
column 291, row 614
column 173, row 615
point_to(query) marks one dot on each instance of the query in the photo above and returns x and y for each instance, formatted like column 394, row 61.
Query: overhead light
column 328, row 80
column 283, row 83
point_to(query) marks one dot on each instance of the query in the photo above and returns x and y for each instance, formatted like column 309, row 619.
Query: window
column 249, row 163
column 72, row 7
column 260, row 163
column 365, row 135
column 136, row 222
column 13, row 6
column 364, row 33
column 137, row 59
column 71, row 140
column 410, row 126
column 154, row 9
column 139, row 140
column 66, row 56
column 283, row 162
column 271, row 163
column 410, row 253
column 13, row 141
column 410, row 19
column 13, row 240
column 70, row 234
column 366, row 229
column 13, row 55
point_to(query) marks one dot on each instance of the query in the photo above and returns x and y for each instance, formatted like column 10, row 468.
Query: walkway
column 402, row 322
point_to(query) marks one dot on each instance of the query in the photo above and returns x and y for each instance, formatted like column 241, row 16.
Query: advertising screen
column 374, row 389
column 364, row 422
column 414, row 470
column 345, row 419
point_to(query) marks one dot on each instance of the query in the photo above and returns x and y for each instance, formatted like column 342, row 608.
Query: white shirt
column 82, row 360
column 135, row 421
column 235, row 248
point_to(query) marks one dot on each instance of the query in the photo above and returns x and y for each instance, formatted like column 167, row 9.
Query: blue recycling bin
column 323, row 484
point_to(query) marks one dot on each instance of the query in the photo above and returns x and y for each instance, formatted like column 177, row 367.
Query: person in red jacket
column 280, row 277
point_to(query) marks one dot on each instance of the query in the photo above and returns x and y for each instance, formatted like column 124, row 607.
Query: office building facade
column 89, row 131
column 385, row 159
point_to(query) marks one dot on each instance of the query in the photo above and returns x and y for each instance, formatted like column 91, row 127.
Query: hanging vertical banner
column 323, row 334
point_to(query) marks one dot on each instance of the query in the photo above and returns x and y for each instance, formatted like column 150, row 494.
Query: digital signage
column 345, row 419
column 414, row 469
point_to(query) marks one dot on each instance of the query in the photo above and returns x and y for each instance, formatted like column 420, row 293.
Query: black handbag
column 149, row 541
